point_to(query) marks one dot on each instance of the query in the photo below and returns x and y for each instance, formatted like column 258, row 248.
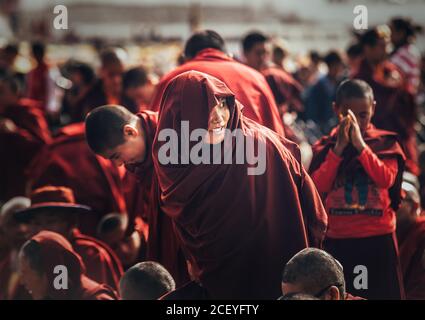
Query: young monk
column 38, row 260
column 205, row 52
column 358, row 169
column 116, row 134
column 411, row 239
column 232, row 224
column 23, row 132
column 54, row 209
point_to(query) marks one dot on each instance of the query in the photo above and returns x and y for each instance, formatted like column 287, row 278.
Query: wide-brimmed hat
column 51, row 197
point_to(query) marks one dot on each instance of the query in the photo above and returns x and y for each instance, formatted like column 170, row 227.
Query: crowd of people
column 90, row 210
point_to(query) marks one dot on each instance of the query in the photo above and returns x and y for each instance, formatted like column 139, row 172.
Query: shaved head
column 105, row 127
column 146, row 281
column 313, row 270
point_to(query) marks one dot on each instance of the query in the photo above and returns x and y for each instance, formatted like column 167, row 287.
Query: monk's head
column 206, row 39
column 111, row 71
column 115, row 133
column 217, row 122
column 138, row 87
column 255, row 50
column 357, row 96
column 10, row 91
column 112, row 230
column 375, row 43
column 314, row 272
column 146, row 281
column 354, row 54
column 14, row 231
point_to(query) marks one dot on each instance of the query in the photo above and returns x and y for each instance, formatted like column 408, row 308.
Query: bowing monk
column 138, row 89
column 54, row 209
column 357, row 169
column 205, row 52
column 23, row 132
column 411, row 239
column 38, row 261
column 95, row 181
column 116, row 134
column 232, row 221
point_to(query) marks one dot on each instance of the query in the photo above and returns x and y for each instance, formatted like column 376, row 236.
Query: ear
column 332, row 294
column 373, row 107
column 130, row 131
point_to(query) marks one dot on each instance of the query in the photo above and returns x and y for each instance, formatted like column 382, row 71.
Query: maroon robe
column 56, row 250
column 237, row 230
column 20, row 147
column 69, row 162
column 162, row 243
column 412, row 258
column 102, row 264
column 248, row 85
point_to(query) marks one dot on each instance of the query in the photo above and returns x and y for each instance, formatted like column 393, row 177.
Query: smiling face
column 217, row 123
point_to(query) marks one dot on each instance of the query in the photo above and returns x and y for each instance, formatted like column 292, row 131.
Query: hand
column 343, row 136
column 356, row 134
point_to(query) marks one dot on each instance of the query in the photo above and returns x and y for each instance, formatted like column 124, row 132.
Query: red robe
column 249, row 86
column 162, row 243
column 412, row 258
column 102, row 265
column 69, row 162
column 395, row 110
column 286, row 90
column 237, row 230
column 20, row 146
column 56, row 250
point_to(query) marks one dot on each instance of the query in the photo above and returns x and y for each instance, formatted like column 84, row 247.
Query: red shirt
column 342, row 224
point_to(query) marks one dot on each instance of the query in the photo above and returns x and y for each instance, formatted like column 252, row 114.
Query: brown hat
column 51, row 197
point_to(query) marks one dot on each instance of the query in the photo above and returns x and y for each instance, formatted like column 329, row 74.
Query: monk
column 205, row 52
column 314, row 272
column 23, row 132
column 358, row 169
column 395, row 106
column 286, row 90
column 108, row 88
column 411, row 239
column 54, row 209
column 38, row 261
column 116, row 134
column 232, row 222
column 146, row 280
column 95, row 182
column 130, row 248
column 138, row 89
